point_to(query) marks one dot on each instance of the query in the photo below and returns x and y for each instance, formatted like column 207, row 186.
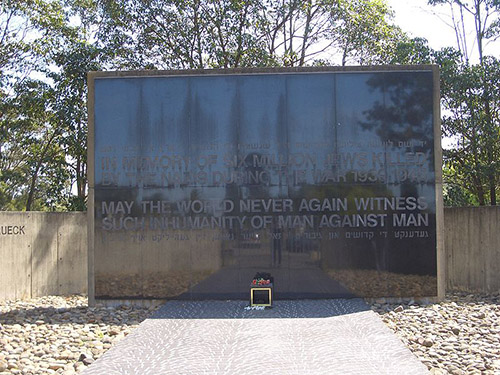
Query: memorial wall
column 323, row 178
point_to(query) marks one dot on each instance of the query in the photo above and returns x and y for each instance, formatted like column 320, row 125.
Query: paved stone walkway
column 298, row 337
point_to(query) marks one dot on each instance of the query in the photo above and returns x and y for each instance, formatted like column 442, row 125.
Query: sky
column 433, row 23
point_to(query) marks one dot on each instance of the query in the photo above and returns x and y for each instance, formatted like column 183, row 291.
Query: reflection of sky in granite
column 311, row 117
column 112, row 118
column 262, row 110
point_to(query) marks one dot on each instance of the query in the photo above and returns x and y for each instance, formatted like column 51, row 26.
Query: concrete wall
column 42, row 253
column 46, row 253
column 472, row 245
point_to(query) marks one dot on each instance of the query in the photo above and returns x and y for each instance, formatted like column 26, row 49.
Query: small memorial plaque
column 261, row 296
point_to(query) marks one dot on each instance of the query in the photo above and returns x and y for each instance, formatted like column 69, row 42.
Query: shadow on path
column 240, row 309
column 231, row 283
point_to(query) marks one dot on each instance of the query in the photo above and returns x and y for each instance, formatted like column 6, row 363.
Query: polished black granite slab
column 324, row 179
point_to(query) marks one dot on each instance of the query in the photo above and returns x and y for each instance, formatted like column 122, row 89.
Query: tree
column 468, row 119
column 44, row 58
column 31, row 157
column 176, row 34
column 70, row 112
column 412, row 51
column 485, row 15
column 198, row 34
column 364, row 33
column 474, row 122
column 33, row 163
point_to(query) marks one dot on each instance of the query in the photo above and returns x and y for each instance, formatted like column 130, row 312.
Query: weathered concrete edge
column 438, row 185
column 91, row 184
column 274, row 70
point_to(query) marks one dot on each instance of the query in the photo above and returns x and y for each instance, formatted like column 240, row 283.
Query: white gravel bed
column 62, row 335
column 460, row 335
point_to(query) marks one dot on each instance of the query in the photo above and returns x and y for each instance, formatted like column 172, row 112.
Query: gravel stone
column 49, row 335
column 399, row 309
column 61, row 335
column 460, row 335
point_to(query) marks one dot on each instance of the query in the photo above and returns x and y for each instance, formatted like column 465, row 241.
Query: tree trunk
column 493, row 193
column 34, row 177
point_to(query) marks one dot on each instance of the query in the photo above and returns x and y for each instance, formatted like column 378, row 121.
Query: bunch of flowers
column 261, row 281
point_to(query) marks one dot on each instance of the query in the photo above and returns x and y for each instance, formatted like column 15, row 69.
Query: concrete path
column 300, row 337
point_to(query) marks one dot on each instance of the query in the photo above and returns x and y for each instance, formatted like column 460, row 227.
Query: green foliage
column 70, row 111
column 470, row 99
column 363, row 32
column 454, row 193
column 228, row 33
column 30, row 156
column 412, row 51
column 42, row 107
column 48, row 46
column 472, row 102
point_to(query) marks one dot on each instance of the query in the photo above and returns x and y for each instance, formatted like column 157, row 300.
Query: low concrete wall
column 472, row 245
column 46, row 253
column 42, row 253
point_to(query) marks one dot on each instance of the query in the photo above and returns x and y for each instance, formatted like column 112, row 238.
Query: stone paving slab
column 294, row 337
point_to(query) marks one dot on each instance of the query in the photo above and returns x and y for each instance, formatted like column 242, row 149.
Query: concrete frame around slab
column 440, row 250
column 90, row 198
column 438, row 175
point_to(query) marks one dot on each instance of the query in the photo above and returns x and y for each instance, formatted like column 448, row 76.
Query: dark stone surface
column 305, row 282
column 285, row 309
column 324, row 174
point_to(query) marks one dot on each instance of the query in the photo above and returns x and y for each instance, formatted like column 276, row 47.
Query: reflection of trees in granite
column 372, row 283
column 406, row 113
column 156, row 285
